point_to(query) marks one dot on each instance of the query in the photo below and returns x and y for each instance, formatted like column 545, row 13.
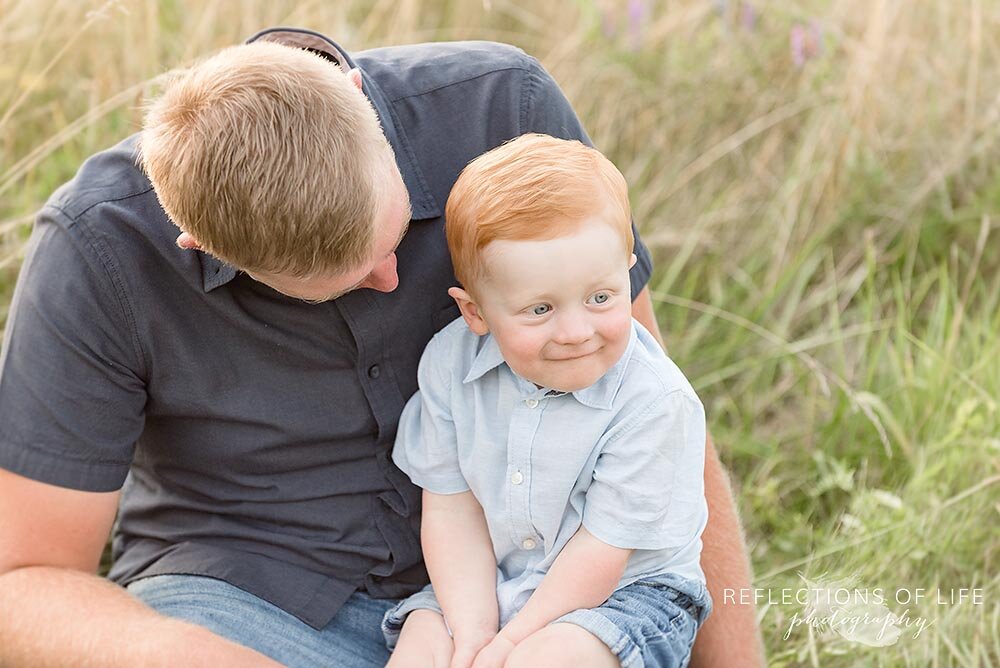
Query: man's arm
column 458, row 552
column 584, row 575
column 642, row 310
column 730, row 636
column 54, row 609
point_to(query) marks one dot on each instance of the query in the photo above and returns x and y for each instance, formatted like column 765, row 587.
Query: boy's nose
column 383, row 277
column 573, row 330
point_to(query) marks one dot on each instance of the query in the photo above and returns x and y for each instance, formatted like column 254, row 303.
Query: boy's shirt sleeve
column 647, row 491
column 426, row 447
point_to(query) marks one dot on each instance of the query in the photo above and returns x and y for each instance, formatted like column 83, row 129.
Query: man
column 233, row 387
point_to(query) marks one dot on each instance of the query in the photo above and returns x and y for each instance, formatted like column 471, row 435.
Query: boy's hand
column 495, row 654
column 468, row 645
column 464, row 656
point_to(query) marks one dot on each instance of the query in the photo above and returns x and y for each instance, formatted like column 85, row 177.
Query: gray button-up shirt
column 624, row 457
column 252, row 432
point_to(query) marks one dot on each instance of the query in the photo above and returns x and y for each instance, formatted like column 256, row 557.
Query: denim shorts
column 650, row 623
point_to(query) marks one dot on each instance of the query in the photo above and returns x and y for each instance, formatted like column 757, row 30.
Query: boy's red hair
column 534, row 187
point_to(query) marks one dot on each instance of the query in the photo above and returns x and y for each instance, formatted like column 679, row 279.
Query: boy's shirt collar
column 599, row 395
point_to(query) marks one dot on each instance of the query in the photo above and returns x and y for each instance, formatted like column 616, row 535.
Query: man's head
column 540, row 235
column 272, row 159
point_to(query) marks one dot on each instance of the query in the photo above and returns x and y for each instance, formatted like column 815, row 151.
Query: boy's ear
column 470, row 311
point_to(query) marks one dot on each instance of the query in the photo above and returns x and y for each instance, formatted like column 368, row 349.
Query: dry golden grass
column 825, row 232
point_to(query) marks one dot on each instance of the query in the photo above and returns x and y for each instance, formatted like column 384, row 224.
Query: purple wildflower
column 797, row 41
column 636, row 14
column 806, row 42
column 748, row 16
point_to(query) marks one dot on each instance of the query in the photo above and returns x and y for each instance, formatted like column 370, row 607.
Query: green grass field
column 819, row 184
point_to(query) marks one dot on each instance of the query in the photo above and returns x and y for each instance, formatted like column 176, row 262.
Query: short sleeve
column 647, row 490
column 545, row 109
column 426, row 447
column 71, row 396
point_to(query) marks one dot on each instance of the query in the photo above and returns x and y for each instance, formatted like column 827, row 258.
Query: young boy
column 560, row 451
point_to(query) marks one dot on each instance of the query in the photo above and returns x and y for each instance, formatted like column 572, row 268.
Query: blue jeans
column 353, row 639
column 650, row 623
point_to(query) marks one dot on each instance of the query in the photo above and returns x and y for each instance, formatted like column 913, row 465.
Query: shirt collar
column 599, row 395
column 215, row 272
column 487, row 359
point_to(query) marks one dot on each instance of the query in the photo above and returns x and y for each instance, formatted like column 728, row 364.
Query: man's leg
column 353, row 639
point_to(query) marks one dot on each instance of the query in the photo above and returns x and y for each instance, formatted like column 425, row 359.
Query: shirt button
column 374, row 371
column 517, row 478
column 528, row 544
column 532, row 403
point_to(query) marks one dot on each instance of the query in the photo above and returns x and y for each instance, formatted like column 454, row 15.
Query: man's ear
column 470, row 311
column 187, row 242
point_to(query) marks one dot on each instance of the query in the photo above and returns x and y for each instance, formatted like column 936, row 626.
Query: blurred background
column 820, row 187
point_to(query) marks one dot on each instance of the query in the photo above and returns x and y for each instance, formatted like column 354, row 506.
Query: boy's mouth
column 573, row 356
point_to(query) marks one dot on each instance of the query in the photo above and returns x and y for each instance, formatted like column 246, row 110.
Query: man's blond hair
column 271, row 159
column 534, row 187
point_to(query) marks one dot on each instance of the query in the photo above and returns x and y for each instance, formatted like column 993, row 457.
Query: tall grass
column 819, row 184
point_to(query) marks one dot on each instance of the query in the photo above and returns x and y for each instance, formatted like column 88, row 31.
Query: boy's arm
column 584, row 575
column 730, row 635
column 460, row 560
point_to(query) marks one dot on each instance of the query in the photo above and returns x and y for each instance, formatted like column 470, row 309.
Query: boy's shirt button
column 528, row 544
column 517, row 478
column 531, row 403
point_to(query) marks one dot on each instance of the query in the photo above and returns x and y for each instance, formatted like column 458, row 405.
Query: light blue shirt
column 624, row 456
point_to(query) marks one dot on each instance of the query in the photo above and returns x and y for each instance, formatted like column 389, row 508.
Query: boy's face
column 560, row 309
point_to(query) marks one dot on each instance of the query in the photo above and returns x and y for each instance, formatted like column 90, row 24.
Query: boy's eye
column 599, row 298
column 541, row 309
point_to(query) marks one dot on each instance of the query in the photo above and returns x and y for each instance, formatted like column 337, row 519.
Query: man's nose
column 573, row 329
column 383, row 277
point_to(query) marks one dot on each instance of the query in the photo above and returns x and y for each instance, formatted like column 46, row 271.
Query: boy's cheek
column 517, row 344
column 525, row 349
column 619, row 325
